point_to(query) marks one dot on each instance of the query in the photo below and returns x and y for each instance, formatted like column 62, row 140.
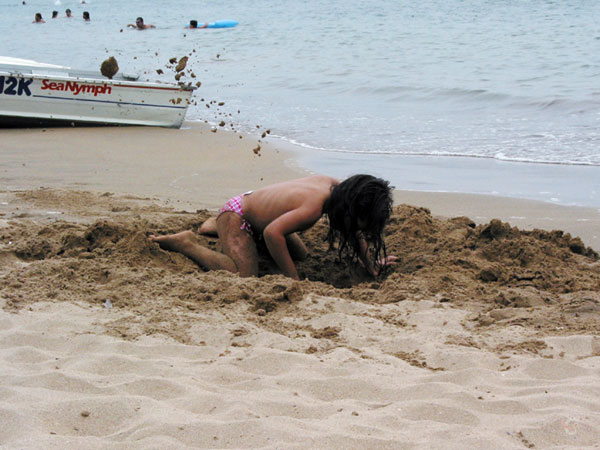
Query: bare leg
column 209, row 227
column 187, row 244
column 239, row 250
column 296, row 247
column 238, row 244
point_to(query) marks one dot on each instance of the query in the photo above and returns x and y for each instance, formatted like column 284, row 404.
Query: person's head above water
column 140, row 25
column 193, row 24
column 359, row 205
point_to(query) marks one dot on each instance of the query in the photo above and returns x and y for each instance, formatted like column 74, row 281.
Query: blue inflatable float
column 222, row 24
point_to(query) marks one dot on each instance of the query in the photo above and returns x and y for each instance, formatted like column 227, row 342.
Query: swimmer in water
column 140, row 25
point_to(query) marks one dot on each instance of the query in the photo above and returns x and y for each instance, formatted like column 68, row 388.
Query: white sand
column 67, row 385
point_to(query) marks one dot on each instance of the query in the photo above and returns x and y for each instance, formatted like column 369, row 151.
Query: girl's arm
column 276, row 232
column 363, row 255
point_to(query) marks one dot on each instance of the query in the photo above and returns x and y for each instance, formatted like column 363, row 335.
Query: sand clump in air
column 181, row 64
column 109, row 67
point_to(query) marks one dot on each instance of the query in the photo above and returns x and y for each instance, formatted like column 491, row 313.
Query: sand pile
column 547, row 282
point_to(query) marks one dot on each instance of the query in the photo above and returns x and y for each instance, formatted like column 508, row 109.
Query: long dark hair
column 363, row 198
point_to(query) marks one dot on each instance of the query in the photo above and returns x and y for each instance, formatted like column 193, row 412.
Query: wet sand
column 195, row 169
column 484, row 335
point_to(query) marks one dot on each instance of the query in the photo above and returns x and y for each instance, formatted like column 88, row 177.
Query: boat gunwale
column 97, row 80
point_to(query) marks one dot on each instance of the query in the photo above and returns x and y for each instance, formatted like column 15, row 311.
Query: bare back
column 298, row 203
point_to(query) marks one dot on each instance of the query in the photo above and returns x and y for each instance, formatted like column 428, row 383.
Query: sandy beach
column 484, row 335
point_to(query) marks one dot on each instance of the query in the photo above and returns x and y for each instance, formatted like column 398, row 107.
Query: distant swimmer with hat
column 140, row 25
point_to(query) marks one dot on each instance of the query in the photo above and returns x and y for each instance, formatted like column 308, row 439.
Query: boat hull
column 27, row 99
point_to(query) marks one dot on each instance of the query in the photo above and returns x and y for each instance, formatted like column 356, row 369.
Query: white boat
column 38, row 94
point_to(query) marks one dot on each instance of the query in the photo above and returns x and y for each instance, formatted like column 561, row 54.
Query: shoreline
column 195, row 168
column 524, row 213
column 555, row 184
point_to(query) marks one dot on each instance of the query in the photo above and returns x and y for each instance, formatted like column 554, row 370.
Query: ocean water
column 364, row 85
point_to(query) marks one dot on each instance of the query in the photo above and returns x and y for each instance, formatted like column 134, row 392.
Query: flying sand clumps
column 181, row 69
column 181, row 64
column 109, row 67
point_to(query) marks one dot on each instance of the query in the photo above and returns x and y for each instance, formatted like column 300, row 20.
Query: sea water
column 446, row 95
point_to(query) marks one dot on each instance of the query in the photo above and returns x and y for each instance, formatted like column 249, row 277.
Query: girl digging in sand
column 358, row 209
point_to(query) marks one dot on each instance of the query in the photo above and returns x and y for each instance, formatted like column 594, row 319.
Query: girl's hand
column 383, row 262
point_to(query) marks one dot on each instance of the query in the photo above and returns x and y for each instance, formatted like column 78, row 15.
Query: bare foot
column 209, row 227
column 174, row 242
